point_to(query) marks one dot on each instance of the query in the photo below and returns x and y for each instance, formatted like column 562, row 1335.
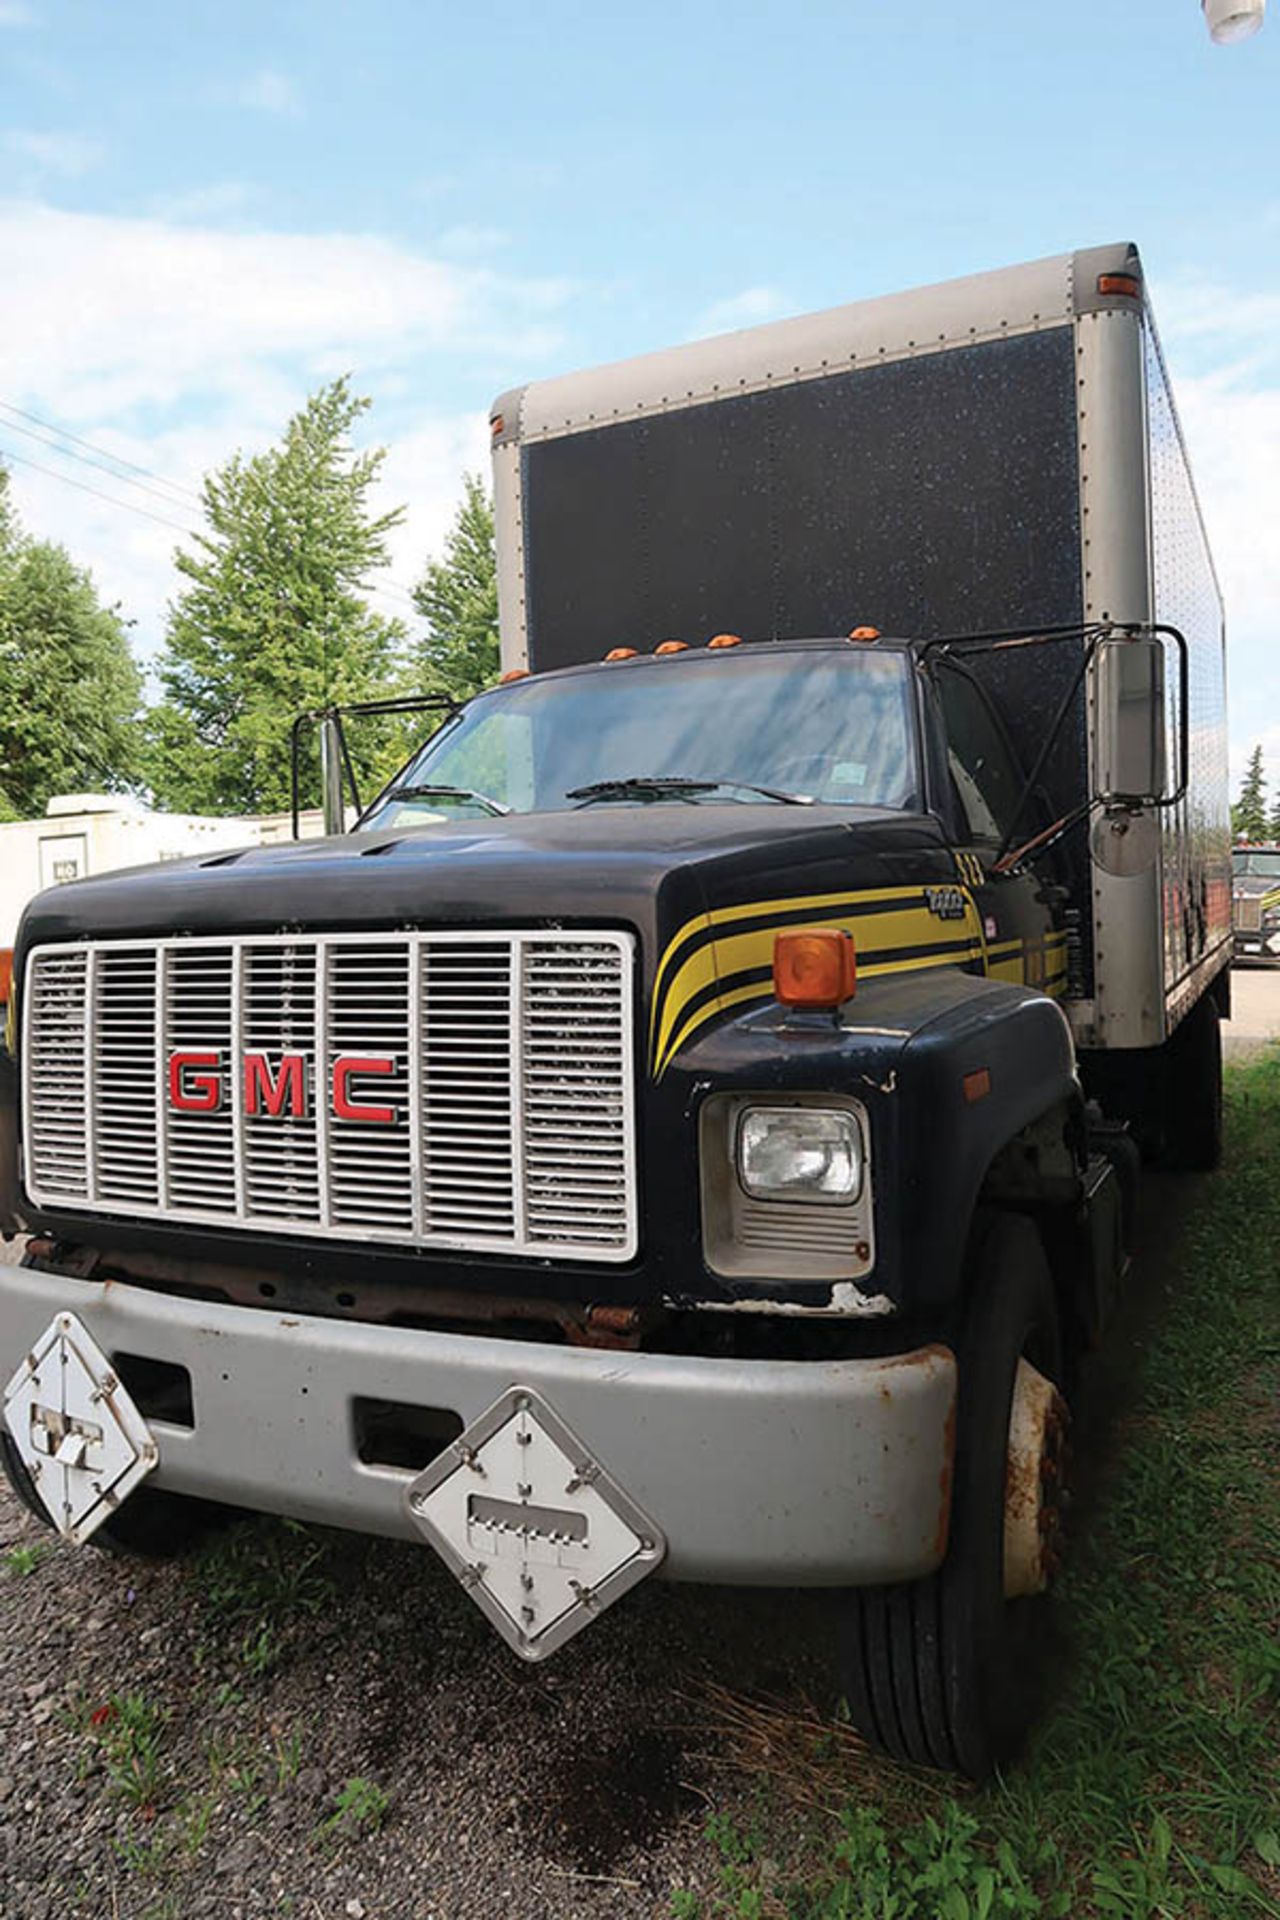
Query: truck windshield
column 1265, row 865
column 832, row 727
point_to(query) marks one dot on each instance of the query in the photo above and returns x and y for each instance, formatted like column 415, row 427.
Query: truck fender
column 989, row 1061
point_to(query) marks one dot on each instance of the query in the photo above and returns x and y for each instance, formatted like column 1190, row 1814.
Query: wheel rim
column 1033, row 1490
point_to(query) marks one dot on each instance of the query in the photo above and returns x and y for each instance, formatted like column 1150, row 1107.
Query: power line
column 388, row 589
column 87, row 459
column 82, row 486
column 64, row 433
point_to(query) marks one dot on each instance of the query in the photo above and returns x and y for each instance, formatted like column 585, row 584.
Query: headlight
column 800, row 1153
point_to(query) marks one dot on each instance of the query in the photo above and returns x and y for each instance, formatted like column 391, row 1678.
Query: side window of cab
column 984, row 773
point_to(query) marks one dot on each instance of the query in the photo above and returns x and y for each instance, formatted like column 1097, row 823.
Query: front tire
column 153, row 1524
column 943, row 1671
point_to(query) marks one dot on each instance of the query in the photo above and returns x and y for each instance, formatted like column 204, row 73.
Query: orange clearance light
column 513, row 673
column 6, row 973
column 726, row 640
column 673, row 646
column 1126, row 283
column 621, row 653
column 814, row 967
column 496, row 424
column 977, row 1085
column 865, row 633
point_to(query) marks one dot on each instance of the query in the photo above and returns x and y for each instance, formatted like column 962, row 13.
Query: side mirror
column 1130, row 763
column 1133, row 720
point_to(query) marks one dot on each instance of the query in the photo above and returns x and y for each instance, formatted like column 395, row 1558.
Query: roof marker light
column 497, row 424
column 513, row 673
column 1126, row 283
column 865, row 633
column 673, row 646
column 814, row 967
column 725, row 640
column 621, row 653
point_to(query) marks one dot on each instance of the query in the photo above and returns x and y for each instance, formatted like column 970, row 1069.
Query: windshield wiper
column 659, row 786
column 421, row 791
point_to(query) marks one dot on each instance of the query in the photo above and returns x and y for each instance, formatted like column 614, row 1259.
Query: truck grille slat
column 498, row 1114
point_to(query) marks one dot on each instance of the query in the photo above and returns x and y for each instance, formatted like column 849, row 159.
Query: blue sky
column 205, row 209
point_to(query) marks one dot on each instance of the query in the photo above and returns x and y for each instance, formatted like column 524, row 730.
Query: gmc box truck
column 689, row 1126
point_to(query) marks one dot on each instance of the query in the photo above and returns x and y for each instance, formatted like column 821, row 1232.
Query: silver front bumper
column 759, row 1472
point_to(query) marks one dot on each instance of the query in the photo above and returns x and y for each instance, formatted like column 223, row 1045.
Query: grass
column 25, row 1559
column 259, row 1584
column 127, row 1730
column 360, row 1806
column 1152, row 1791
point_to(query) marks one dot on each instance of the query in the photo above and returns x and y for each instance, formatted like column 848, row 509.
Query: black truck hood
column 654, row 869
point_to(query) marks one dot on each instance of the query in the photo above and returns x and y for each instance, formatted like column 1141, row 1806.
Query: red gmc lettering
column 261, row 1092
column 202, row 1093
column 347, row 1109
column 278, row 1091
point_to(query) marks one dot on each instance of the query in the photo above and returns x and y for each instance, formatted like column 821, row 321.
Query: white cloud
column 1226, row 377
column 465, row 242
column 68, row 154
column 750, row 308
column 218, row 201
column 176, row 344
column 268, row 91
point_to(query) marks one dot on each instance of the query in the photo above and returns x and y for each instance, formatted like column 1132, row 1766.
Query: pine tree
column 1249, row 815
column 274, row 618
column 458, row 598
column 69, row 689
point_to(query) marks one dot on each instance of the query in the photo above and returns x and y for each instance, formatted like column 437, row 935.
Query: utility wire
column 87, row 459
column 82, row 486
column 388, row 589
column 174, row 486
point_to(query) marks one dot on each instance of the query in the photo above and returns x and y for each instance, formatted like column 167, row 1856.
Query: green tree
column 273, row 618
column 69, row 689
column 1249, row 814
column 458, row 598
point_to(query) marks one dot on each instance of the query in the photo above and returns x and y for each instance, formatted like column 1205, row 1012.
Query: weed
column 127, row 1730
column 287, row 1756
column 148, row 1857
column 23, row 1560
column 193, row 1819
column 361, row 1806
column 256, row 1583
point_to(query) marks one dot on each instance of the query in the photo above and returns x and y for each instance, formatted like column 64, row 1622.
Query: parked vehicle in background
column 1255, row 901
column 689, row 1125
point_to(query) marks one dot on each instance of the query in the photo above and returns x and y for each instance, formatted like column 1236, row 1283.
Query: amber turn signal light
column 814, row 967
column 621, row 653
column 865, row 633
column 6, row 973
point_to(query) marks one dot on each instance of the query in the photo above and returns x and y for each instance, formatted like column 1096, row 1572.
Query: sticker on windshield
column 849, row 773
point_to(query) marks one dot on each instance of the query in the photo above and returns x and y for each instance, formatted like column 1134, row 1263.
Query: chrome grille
column 488, row 1086
column 1248, row 912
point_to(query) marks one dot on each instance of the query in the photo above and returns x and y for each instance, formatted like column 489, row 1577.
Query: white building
column 84, row 834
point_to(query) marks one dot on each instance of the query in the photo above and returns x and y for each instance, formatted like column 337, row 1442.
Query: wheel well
column 1040, row 1172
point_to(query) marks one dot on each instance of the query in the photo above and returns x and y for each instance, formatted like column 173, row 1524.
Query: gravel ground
column 176, row 1739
